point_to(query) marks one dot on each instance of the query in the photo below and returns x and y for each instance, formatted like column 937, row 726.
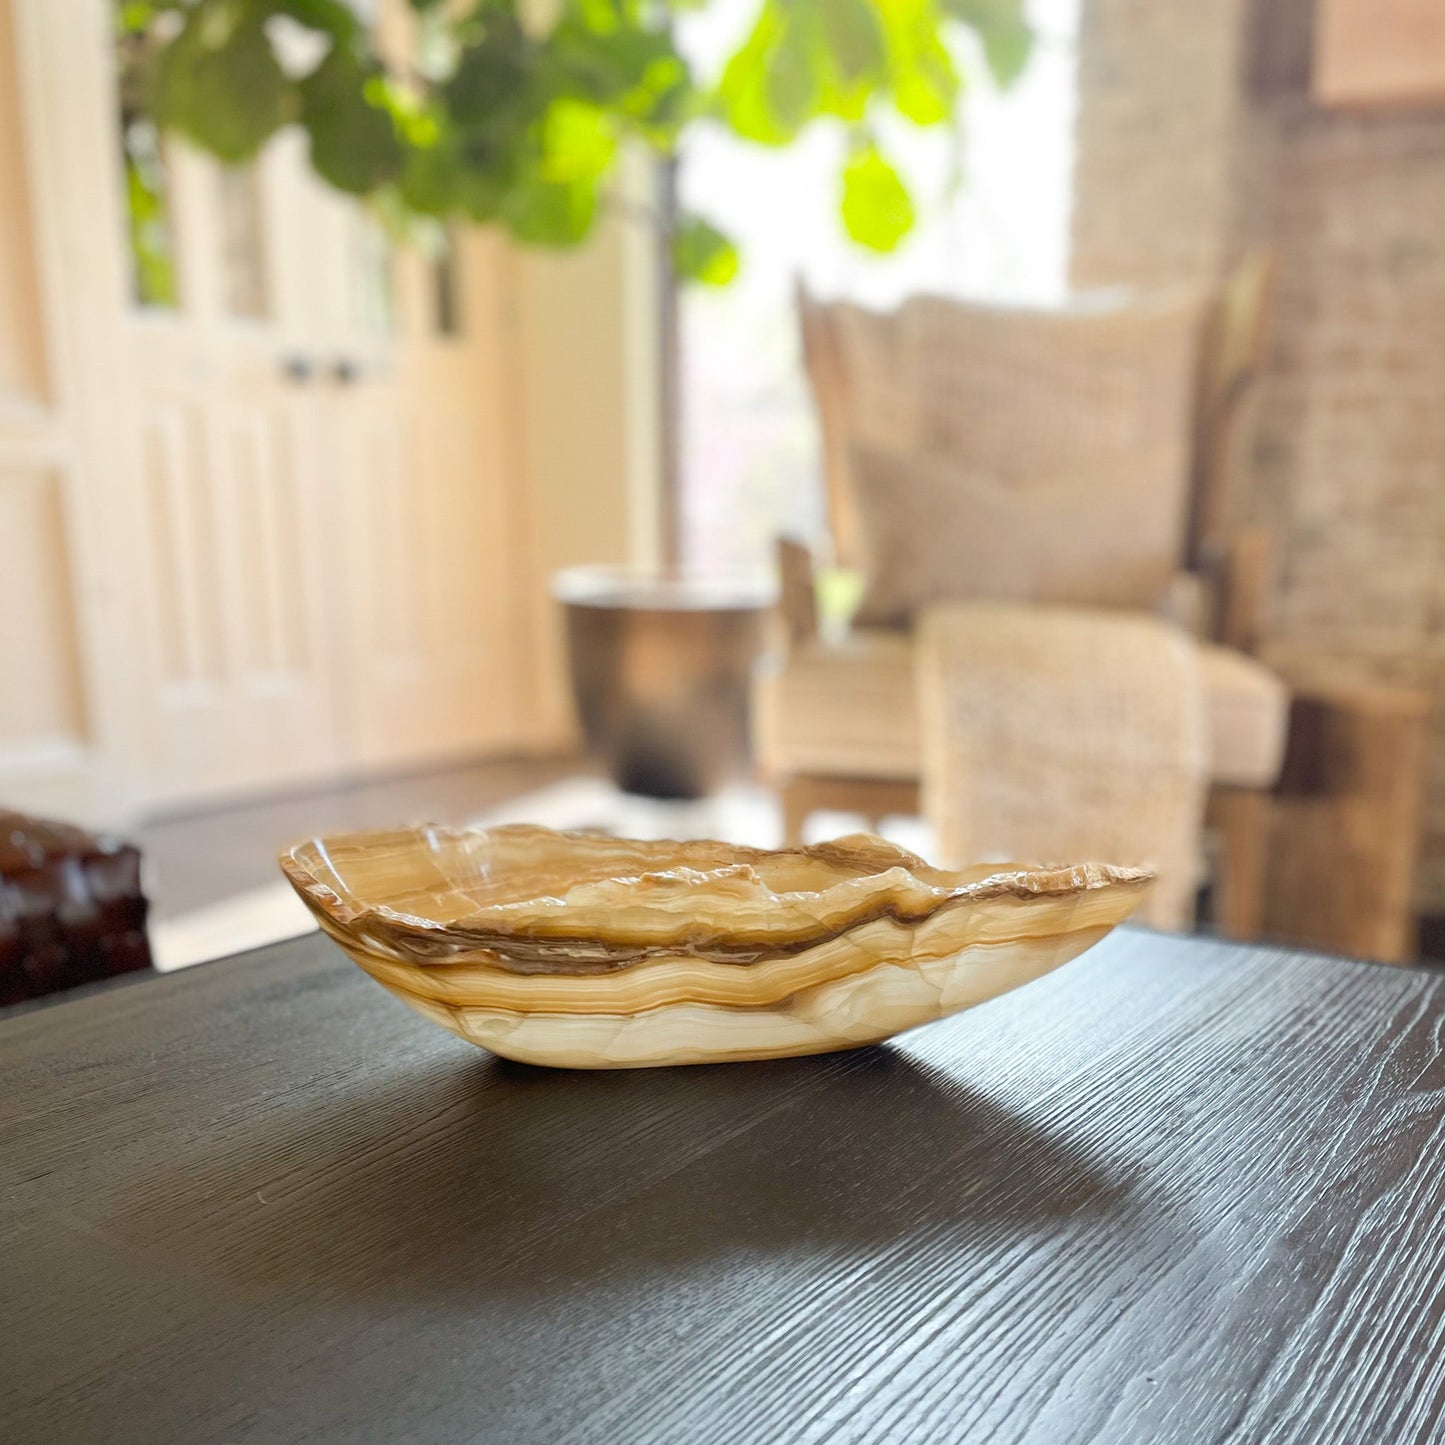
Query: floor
column 204, row 858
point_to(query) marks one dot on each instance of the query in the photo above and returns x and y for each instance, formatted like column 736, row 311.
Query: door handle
column 346, row 372
column 298, row 368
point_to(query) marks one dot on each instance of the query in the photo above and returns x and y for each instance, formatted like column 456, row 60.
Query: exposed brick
column 1185, row 155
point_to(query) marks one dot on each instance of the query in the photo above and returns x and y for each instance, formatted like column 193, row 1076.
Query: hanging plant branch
column 505, row 114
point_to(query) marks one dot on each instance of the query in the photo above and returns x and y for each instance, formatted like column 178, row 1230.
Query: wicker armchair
column 1064, row 734
column 837, row 722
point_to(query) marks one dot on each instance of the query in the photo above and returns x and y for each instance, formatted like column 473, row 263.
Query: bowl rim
column 624, row 587
column 427, row 941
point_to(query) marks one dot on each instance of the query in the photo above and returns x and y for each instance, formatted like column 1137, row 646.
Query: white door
column 232, row 482
column 428, row 562
column 294, row 437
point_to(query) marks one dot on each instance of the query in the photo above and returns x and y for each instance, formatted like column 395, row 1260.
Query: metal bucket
column 661, row 666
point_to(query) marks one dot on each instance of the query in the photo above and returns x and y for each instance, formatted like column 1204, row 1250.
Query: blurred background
column 402, row 406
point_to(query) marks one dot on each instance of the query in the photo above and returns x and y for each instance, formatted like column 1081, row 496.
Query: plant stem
column 669, row 365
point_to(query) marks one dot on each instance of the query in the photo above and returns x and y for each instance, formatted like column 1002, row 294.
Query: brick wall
column 1349, row 463
column 1350, row 458
column 1157, row 120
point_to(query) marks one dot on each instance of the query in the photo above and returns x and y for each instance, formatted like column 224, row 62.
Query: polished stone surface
column 589, row 951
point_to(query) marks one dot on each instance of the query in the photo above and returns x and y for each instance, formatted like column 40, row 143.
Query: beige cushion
column 1037, row 391
column 843, row 709
column 935, row 531
column 1248, row 709
column 848, row 710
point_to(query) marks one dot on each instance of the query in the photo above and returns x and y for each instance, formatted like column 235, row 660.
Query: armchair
column 1020, row 404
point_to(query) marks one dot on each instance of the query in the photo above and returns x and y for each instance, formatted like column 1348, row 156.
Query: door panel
column 430, row 667
column 185, row 607
column 40, row 703
column 241, row 694
column 290, row 452
column 263, row 453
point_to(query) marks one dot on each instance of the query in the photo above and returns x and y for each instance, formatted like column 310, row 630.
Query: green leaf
column 481, row 193
column 552, row 199
column 446, row 177
column 219, row 83
column 601, row 17
column 662, row 101
column 545, row 213
column 742, row 93
column 524, row 126
column 877, row 209
column 135, row 17
column 1008, row 41
column 926, row 91
column 491, row 76
column 700, row 252
column 335, row 17
column 430, row 178
column 579, row 141
column 1007, row 50
column 984, row 14
column 354, row 144
column 788, row 81
column 923, row 80
column 854, row 39
column 635, row 72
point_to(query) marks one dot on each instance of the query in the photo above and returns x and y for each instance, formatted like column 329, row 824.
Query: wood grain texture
column 1176, row 1192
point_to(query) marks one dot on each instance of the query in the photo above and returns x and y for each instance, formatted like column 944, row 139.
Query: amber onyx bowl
column 587, row 951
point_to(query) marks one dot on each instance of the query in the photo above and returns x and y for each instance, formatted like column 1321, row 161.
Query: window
column 243, row 248
column 446, row 288
column 148, row 215
column 994, row 208
column 151, row 242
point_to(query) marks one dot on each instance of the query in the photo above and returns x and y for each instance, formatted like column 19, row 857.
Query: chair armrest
column 1238, row 576
column 1186, row 604
column 797, row 600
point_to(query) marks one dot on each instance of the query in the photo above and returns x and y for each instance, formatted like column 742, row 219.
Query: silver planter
column 661, row 666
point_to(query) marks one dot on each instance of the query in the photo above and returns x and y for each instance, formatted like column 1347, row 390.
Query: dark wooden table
column 1180, row 1191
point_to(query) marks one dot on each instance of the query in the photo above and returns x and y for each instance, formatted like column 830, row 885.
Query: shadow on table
column 468, row 1180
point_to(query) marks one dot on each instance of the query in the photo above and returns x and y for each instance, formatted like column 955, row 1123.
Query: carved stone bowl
column 587, row 951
